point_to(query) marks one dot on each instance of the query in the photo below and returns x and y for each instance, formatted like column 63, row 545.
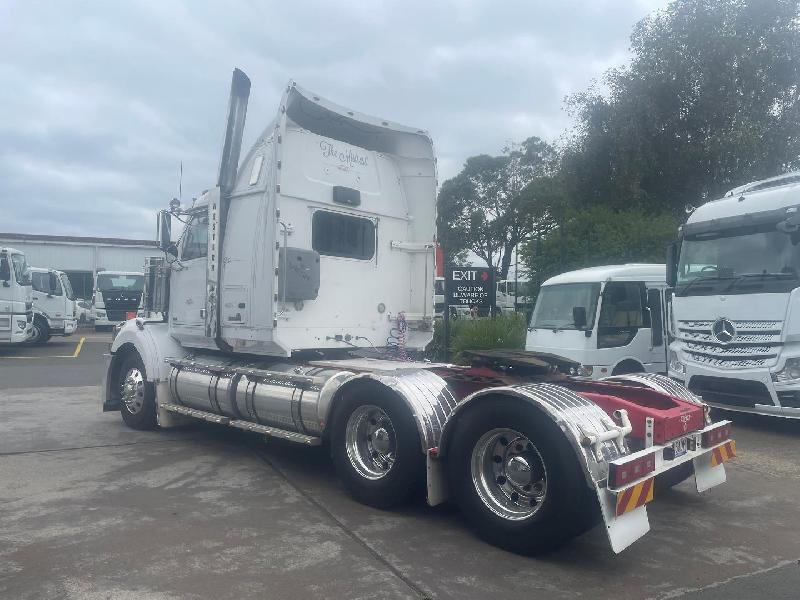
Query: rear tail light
column 716, row 436
column 622, row 475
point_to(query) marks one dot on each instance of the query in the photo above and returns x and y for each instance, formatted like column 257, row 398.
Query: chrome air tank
column 206, row 384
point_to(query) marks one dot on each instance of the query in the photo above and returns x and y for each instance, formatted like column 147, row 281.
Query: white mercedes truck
column 610, row 319
column 735, row 270
column 117, row 297
column 54, row 306
column 297, row 303
column 16, row 306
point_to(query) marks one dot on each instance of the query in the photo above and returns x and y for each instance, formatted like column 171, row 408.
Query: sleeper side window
column 345, row 236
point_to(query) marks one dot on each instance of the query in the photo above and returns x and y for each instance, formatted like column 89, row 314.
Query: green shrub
column 506, row 330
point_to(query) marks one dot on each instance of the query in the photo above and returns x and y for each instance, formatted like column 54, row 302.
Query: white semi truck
column 117, row 297
column 735, row 270
column 295, row 301
column 16, row 305
column 610, row 319
column 54, row 306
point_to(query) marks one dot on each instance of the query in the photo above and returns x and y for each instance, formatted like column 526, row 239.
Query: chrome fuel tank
column 286, row 396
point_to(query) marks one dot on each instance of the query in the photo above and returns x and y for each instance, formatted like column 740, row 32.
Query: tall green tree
column 483, row 208
column 710, row 100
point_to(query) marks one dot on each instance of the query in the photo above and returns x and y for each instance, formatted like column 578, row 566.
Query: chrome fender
column 658, row 383
column 151, row 340
column 578, row 418
column 424, row 393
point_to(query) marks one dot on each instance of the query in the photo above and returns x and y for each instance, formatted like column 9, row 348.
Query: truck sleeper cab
column 735, row 319
column 16, row 308
column 117, row 297
column 610, row 319
column 300, row 291
column 54, row 305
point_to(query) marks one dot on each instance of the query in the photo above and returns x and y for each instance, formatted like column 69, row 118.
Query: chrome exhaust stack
column 218, row 203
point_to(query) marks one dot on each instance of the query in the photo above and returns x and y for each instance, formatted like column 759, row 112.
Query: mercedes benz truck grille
column 737, row 345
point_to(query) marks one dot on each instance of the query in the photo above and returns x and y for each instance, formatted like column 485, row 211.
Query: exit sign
column 470, row 286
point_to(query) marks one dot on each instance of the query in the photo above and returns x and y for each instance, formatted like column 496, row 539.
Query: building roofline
column 75, row 239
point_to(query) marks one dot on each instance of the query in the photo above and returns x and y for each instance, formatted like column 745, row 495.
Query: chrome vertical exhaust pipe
column 234, row 130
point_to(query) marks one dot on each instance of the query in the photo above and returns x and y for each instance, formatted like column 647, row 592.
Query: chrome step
column 292, row 436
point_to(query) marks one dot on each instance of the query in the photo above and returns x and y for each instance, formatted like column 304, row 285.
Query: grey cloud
column 100, row 102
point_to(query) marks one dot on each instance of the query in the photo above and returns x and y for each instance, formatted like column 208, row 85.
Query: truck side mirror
column 52, row 284
column 164, row 230
column 579, row 316
column 5, row 270
column 672, row 264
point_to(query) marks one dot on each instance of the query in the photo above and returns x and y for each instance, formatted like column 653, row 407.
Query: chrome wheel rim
column 509, row 474
column 370, row 441
column 133, row 391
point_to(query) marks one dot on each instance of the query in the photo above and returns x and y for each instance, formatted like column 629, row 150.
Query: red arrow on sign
column 484, row 275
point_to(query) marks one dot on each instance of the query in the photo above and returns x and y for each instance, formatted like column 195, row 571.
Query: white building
column 81, row 257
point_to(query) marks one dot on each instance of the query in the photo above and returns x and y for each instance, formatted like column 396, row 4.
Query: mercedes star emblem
column 723, row 330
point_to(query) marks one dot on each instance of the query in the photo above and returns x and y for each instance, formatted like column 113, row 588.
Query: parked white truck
column 736, row 307
column 117, row 297
column 16, row 306
column 610, row 319
column 513, row 295
column 300, row 290
column 54, row 305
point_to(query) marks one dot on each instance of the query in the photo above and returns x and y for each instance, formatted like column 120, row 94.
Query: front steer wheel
column 376, row 449
column 516, row 478
column 137, row 396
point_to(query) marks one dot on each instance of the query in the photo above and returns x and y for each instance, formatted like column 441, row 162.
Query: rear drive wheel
column 516, row 479
column 137, row 396
column 376, row 449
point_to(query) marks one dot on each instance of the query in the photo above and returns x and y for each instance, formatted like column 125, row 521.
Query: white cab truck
column 610, row 319
column 117, row 297
column 296, row 301
column 735, row 270
column 16, row 307
column 54, row 305
column 513, row 295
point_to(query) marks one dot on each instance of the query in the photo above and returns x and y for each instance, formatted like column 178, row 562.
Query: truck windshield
column 21, row 270
column 739, row 261
column 107, row 283
column 555, row 303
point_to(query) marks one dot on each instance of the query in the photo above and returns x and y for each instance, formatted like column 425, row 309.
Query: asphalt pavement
column 92, row 509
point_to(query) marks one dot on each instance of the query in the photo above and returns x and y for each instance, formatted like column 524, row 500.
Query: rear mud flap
column 622, row 531
column 707, row 475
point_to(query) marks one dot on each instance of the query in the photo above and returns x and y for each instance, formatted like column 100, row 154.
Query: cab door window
column 195, row 239
column 622, row 314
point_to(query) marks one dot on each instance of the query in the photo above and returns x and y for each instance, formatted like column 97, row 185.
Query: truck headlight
column 675, row 363
column 790, row 371
column 21, row 325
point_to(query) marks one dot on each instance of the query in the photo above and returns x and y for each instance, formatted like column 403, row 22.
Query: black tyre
column 516, row 478
column 137, row 395
column 41, row 331
column 376, row 448
column 674, row 476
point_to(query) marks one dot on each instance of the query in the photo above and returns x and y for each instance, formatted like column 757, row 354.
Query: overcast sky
column 100, row 101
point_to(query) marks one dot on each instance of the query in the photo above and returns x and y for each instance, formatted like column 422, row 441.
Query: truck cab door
column 48, row 297
column 188, row 282
column 658, row 334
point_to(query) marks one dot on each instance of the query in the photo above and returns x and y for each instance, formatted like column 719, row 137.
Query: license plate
column 130, row 315
column 680, row 447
